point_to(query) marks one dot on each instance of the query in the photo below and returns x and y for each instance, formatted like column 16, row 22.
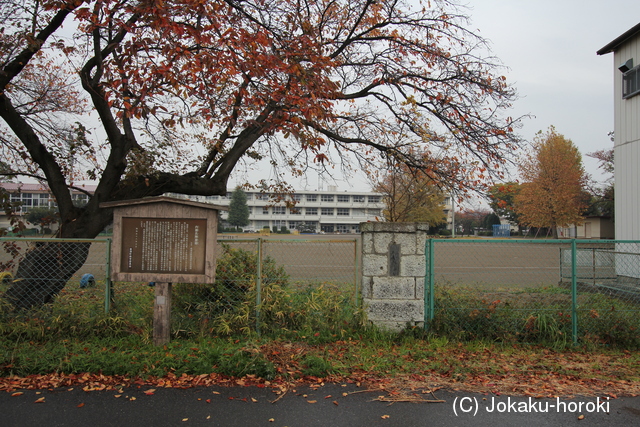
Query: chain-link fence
column 259, row 281
column 65, row 283
column 34, row 272
column 558, row 291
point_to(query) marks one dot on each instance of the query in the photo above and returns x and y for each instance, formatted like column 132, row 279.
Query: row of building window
column 294, row 225
column 281, row 210
column 42, row 200
column 340, row 198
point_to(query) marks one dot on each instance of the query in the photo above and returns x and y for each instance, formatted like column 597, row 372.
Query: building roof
column 615, row 44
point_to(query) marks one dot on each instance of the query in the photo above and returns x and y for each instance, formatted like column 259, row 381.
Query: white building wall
column 627, row 149
column 264, row 212
column 627, row 160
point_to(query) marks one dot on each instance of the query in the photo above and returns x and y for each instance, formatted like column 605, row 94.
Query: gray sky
column 549, row 48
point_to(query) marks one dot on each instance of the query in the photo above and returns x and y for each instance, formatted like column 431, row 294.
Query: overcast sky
column 550, row 49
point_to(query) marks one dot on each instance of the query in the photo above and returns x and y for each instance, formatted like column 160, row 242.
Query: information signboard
column 163, row 245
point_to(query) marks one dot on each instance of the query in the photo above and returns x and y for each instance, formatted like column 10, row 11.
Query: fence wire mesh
column 35, row 271
column 535, row 290
column 64, row 286
column 259, row 281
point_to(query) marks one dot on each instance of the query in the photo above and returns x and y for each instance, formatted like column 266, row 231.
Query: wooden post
column 162, row 314
column 163, row 240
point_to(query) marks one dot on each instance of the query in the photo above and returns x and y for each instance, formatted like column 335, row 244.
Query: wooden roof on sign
column 162, row 199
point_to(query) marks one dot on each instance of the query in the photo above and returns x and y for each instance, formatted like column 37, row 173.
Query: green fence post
column 356, row 273
column 108, row 291
column 574, row 291
column 258, row 285
column 429, row 299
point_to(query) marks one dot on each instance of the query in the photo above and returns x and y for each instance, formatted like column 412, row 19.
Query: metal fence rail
column 534, row 290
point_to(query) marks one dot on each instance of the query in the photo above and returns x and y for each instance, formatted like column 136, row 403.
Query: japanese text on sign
column 163, row 245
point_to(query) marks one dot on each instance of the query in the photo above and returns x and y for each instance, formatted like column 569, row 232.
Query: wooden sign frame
column 163, row 239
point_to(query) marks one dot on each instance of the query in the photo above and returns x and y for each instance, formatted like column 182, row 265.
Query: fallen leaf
column 335, row 402
column 17, row 393
column 384, row 417
column 208, row 400
column 312, row 401
column 271, row 420
column 132, row 398
column 80, row 405
column 41, row 400
column 150, row 392
column 254, row 400
column 581, row 417
column 185, row 419
column 117, row 395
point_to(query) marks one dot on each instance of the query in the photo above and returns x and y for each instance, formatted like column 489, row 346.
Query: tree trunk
column 44, row 271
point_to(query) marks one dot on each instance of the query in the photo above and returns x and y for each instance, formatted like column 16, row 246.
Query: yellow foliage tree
column 553, row 180
column 411, row 196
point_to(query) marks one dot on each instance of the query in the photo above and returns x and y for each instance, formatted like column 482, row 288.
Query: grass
column 316, row 331
column 535, row 316
column 433, row 360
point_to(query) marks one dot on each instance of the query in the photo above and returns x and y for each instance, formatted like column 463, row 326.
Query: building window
column 358, row 212
column 294, row 211
column 42, row 200
column 342, row 228
column 327, row 211
column 358, row 199
column 343, row 211
column 343, row 198
column 374, row 199
column 293, row 225
column 326, row 198
column 265, row 210
column 279, row 210
column 311, row 197
column 79, row 199
column 631, row 82
column 311, row 211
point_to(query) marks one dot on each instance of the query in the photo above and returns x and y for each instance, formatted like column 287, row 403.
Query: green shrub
column 233, row 291
column 462, row 313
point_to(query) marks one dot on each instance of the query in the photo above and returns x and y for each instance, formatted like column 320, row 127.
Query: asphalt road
column 328, row 405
